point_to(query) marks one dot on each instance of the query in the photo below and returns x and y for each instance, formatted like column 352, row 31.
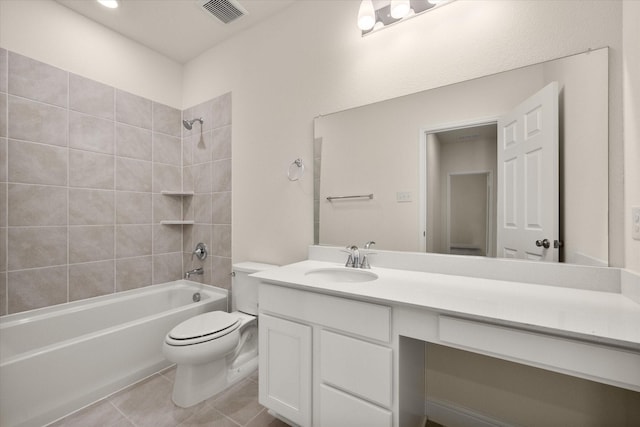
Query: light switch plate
column 635, row 222
column 404, row 196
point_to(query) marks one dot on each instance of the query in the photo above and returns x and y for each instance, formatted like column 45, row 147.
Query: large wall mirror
column 427, row 167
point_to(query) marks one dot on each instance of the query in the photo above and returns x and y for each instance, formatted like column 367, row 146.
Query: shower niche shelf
column 177, row 194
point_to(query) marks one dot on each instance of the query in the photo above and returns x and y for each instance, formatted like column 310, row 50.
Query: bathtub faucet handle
column 201, row 251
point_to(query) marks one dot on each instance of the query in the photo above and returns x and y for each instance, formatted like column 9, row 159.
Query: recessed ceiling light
column 111, row 4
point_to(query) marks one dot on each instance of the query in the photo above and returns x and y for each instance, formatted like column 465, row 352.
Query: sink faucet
column 354, row 257
column 365, row 259
column 199, row 271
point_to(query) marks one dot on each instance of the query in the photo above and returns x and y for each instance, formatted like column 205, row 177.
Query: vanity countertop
column 604, row 317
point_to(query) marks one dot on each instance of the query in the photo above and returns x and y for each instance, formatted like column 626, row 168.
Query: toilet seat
column 203, row 327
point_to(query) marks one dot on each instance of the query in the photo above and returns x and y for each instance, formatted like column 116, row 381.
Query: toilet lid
column 206, row 324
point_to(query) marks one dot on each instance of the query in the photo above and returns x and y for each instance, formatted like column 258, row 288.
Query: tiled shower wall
column 82, row 169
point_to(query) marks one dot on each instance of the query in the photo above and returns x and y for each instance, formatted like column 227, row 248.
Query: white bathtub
column 56, row 360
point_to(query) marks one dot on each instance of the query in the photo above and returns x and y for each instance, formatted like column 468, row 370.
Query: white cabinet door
column 285, row 368
column 338, row 409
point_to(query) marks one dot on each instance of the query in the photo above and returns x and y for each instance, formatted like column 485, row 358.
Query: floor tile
column 149, row 404
column 240, row 403
column 99, row 414
column 264, row 419
column 209, row 417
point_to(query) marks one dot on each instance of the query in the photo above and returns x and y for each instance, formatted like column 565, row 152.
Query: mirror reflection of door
column 461, row 175
column 469, row 212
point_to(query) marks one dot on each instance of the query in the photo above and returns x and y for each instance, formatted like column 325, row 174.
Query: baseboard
column 448, row 414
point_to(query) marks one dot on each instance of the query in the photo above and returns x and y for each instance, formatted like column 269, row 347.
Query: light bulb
column 400, row 8
column 111, row 4
column 366, row 15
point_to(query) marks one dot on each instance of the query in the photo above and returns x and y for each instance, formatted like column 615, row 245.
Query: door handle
column 543, row 243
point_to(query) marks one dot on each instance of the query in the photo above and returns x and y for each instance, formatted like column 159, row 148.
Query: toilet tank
column 244, row 289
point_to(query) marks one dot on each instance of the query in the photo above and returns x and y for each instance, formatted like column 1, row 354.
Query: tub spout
column 198, row 271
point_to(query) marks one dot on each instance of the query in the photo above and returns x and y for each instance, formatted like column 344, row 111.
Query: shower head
column 188, row 124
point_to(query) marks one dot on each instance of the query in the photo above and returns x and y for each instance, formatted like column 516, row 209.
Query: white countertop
column 606, row 317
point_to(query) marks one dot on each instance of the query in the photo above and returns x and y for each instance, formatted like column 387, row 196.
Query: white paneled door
column 528, row 202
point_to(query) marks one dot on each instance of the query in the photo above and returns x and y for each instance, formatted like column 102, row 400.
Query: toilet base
column 197, row 383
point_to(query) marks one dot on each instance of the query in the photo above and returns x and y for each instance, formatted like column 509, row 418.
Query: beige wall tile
column 133, row 175
column 221, row 272
column 133, row 110
column 221, row 238
column 31, row 205
column 91, row 279
column 166, row 177
column 167, row 120
column 193, row 234
column 91, row 133
column 37, row 163
column 3, row 156
column 133, row 273
column 3, row 293
column 32, row 247
column 36, row 80
column 3, row 114
column 3, row 70
column 91, row 97
column 202, row 208
column 133, row 208
column 167, row 267
column 222, row 175
column 167, row 239
column 90, row 243
column 202, row 177
column 167, row 149
column 133, row 240
column 201, row 147
column 3, row 206
column 167, row 207
column 91, row 170
column 222, row 143
column 41, row 287
column 221, row 208
column 37, row 122
column 91, row 207
column 133, row 142
column 3, row 248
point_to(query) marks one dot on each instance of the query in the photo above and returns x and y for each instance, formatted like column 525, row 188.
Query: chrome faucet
column 365, row 259
column 354, row 257
column 198, row 271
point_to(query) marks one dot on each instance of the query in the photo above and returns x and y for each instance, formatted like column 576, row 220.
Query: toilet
column 217, row 349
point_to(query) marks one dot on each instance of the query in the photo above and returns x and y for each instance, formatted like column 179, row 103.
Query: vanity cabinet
column 325, row 361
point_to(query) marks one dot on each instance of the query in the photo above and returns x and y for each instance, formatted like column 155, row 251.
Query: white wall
column 631, row 75
column 311, row 59
column 51, row 33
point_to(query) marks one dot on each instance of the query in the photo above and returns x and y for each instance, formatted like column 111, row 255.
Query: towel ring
column 297, row 173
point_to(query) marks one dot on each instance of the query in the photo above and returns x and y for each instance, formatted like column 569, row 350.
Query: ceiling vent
column 225, row 10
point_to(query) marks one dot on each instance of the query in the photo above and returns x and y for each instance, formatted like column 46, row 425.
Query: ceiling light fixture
column 400, row 8
column 387, row 12
column 366, row 15
column 111, row 4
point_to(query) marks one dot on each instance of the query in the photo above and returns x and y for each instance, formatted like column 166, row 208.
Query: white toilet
column 216, row 349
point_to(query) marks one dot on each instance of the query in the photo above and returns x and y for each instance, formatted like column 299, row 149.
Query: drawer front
column 609, row 365
column 338, row 409
column 358, row 367
column 356, row 317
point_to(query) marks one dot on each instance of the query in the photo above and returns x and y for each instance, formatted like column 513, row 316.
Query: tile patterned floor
column 148, row 404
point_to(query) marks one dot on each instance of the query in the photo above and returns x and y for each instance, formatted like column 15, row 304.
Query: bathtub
column 56, row 360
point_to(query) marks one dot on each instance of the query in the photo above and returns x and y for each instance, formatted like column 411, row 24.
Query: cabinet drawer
column 358, row 367
column 609, row 365
column 338, row 409
column 356, row 317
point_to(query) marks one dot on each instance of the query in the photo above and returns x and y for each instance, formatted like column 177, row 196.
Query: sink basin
column 340, row 275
